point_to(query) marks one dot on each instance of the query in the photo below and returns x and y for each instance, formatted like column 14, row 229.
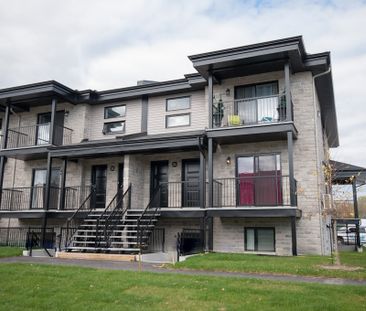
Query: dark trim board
column 254, row 133
column 39, row 213
column 26, row 153
column 254, row 212
column 182, row 213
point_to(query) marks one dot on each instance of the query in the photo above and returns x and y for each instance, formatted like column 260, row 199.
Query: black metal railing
column 116, row 215
column 101, row 219
column 72, row 223
column 190, row 241
column 26, row 198
column 253, row 191
column 146, row 220
column 255, row 110
column 35, row 239
column 180, row 194
column 13, row 236
column 39, row 134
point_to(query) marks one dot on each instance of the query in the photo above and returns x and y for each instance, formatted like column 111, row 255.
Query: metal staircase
column 117, row 228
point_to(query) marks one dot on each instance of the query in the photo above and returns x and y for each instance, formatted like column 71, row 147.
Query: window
column 178, row 103
column 259, row 239
column 114, row 127
column 259, row 180
column 258, row 103
column 178, row 120
column 114, row 112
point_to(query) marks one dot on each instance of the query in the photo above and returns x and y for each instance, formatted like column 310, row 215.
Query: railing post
column 3, row 146
column 288, row 93
column 290, row 150
column 63, row 183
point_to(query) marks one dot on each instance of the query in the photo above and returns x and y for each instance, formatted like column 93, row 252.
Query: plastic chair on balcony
column 234, row 120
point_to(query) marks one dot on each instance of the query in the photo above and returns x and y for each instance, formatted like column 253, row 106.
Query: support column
column 202, row 180
column 355, row 210
column 3, row 146
column 47, row 197
column 289, row 113
column 63, row 183
column 53, row 124
column 293, row 235
column 209, row 220
column 210, row 100
column 290, row 151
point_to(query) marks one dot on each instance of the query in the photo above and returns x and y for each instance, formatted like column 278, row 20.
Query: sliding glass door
column 259, row 181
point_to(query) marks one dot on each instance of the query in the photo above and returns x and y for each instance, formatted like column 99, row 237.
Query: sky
column 90, row 44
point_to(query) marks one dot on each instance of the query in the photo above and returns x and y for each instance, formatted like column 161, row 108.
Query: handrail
column 118, row 194
column 73, row 217
column 116, row 215
column 149, row 208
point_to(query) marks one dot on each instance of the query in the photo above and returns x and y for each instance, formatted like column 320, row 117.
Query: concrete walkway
column 148, row 267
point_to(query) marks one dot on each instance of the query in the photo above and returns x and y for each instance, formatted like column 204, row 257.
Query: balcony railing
column 247, row 191
column 249, row 111
column 180, row 194
column 34, row 198
column 39, row 134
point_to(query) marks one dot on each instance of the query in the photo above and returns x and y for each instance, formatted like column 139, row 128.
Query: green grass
column 45, row 287
column 300, row 265
column 10, row 251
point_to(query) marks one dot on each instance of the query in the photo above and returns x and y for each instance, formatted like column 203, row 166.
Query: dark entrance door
column 191, row 185
column 120, row 175
column 159, row 177
column 99, row 180
column 44, row 127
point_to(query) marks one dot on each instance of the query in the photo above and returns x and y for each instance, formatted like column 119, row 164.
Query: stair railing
column 147, row 217
column 85, row 207
column 116, row 215
column 110, row 207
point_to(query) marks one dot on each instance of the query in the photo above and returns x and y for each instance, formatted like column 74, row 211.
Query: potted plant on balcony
column 218, row 112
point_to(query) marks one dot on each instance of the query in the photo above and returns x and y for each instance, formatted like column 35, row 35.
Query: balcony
column 34, row 198
column 238, row 192
column 252, row 191
column 250, row 111
column 37, row 135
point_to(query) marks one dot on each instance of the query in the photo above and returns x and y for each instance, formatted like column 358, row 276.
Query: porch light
column 228, row 160
column 227, row 92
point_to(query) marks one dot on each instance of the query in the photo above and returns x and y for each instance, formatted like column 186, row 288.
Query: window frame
column 177, row 115
column 114, row 133
column 172, row 98
column 255, row 84
column 108, row 107
column 256, row 239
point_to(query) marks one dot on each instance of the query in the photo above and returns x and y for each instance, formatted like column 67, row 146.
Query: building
column 233, row 152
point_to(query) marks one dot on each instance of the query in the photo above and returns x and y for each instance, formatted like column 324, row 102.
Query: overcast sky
column 108, row 44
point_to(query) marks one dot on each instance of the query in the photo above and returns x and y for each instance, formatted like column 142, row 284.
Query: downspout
column 317, row 155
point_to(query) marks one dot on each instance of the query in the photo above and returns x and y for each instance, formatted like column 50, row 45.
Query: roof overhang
column 147, row 144
column 344, row 173
column 272, row 56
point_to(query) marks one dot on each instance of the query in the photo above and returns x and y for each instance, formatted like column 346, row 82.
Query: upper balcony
column 38, row 135
column 250, row 111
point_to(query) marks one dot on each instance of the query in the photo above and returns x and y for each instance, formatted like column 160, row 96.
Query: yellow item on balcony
column 234, row 120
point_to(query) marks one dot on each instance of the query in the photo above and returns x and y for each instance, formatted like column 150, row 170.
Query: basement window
column 259, row 239
column 114, row 127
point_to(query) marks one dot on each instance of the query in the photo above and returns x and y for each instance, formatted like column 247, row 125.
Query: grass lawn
column 300, row 265
column 45, row 287
column 10, row 251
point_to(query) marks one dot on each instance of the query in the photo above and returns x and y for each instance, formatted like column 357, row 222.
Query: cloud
column 108, row 44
